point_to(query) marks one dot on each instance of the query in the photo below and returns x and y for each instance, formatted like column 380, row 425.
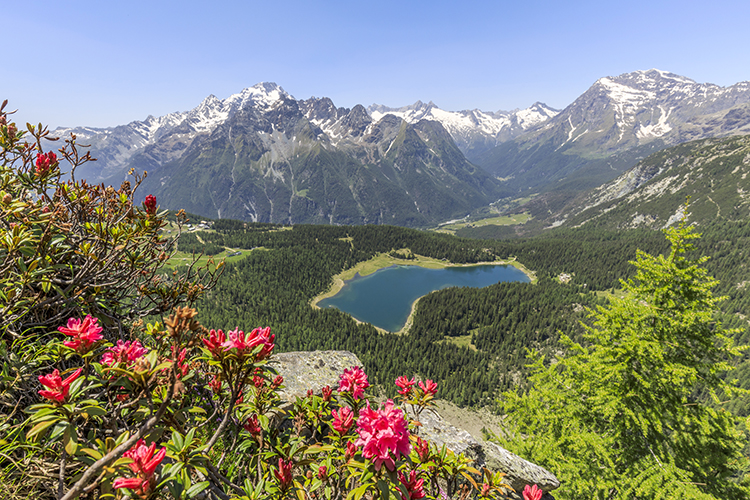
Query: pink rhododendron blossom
column 57, row 388
column 383, row 434
column 405, row 384
column 284, row 474
column 150, row 204
column 423, row 450
column 351, row 450
column 429, row 387
column 322, row 472
column 214, row 343
column 277, row 381
column 326, row 392
column 414, row 486
column 354, row 380
column 85, row 333
column 342, row 419
column 182, row 367
column 124, row 352
column 245, row 344
column 252, row 425
column 45, row 161
column 215, row 384
column 532, row 492
column 144, row 465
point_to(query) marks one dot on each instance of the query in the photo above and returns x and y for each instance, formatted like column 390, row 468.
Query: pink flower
column 414, row 486
column 342, row 419
column 354, row 380
column 150, row 204
column 124, row 352
column 252, row 425
column 215, row 384
column 182, row 367
column 485, row 490
column 58, row 388
column 423, row 450
column 532, row 492
column 326, row 392
column 144, row 465
column 322, row 472
column 45, row 161
column 247, row 343
column 214, row 342
column 277, row 381
column 85, row 333
column 405, row 384
column 429, row 387
column 383, row 434
column 284, row 474
column 351, row 450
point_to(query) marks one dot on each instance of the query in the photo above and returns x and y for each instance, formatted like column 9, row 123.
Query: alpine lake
column 386, row 297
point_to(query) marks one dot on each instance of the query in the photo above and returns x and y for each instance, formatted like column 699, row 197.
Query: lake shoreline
column 385, row 261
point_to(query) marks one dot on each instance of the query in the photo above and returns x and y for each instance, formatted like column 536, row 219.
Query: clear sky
column 109, row 62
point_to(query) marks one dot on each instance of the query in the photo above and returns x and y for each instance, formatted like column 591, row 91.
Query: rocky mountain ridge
column 712, row 173
column 474, row 131
column 616, row 122
column 290, row 161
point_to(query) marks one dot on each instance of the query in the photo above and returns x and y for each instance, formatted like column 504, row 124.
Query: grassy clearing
column 461, row 341
column 228, row 255
column 503, row 220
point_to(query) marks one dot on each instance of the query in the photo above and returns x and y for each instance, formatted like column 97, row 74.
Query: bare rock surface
column 311, row 370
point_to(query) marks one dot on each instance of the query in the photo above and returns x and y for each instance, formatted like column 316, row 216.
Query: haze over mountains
column 263, row 155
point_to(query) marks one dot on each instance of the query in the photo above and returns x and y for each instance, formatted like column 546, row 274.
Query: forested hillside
column 475, row 339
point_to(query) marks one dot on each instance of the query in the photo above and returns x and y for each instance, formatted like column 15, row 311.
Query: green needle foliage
column 635, row 411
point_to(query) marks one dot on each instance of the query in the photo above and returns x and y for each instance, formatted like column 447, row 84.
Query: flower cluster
column 383, row 434
column 405, row 385
column 150, row 204
column 124, row 352
column 144, row 466
column 342, row 419
column 44, row 162
column 244, row 344
column 85, row 333
column 532, row 492
column 57, row 388
column 362, row 438
column 414, row 486
column 354, row 380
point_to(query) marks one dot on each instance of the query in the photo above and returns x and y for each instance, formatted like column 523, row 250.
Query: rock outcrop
column 316, row 369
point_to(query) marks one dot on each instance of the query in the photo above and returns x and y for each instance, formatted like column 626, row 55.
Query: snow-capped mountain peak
column 470, row 128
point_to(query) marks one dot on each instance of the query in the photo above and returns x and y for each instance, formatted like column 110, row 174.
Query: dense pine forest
column 472, row 341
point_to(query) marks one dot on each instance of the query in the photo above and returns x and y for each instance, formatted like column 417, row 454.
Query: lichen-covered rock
column 311, row 370
column 519, row 472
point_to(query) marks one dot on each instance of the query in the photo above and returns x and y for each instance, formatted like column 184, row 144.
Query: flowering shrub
column 68, row 248
column 171, row 409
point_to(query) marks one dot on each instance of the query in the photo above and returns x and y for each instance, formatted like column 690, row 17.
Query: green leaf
column 39, row 429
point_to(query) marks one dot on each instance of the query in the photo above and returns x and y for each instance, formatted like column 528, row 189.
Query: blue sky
column 105, row 63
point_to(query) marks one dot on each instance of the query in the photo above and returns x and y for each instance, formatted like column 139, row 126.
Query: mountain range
column 263, row 155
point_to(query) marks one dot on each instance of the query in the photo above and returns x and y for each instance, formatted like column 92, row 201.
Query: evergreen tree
column 636, row 412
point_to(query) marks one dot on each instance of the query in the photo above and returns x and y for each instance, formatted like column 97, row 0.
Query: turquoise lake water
column 384, row 298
